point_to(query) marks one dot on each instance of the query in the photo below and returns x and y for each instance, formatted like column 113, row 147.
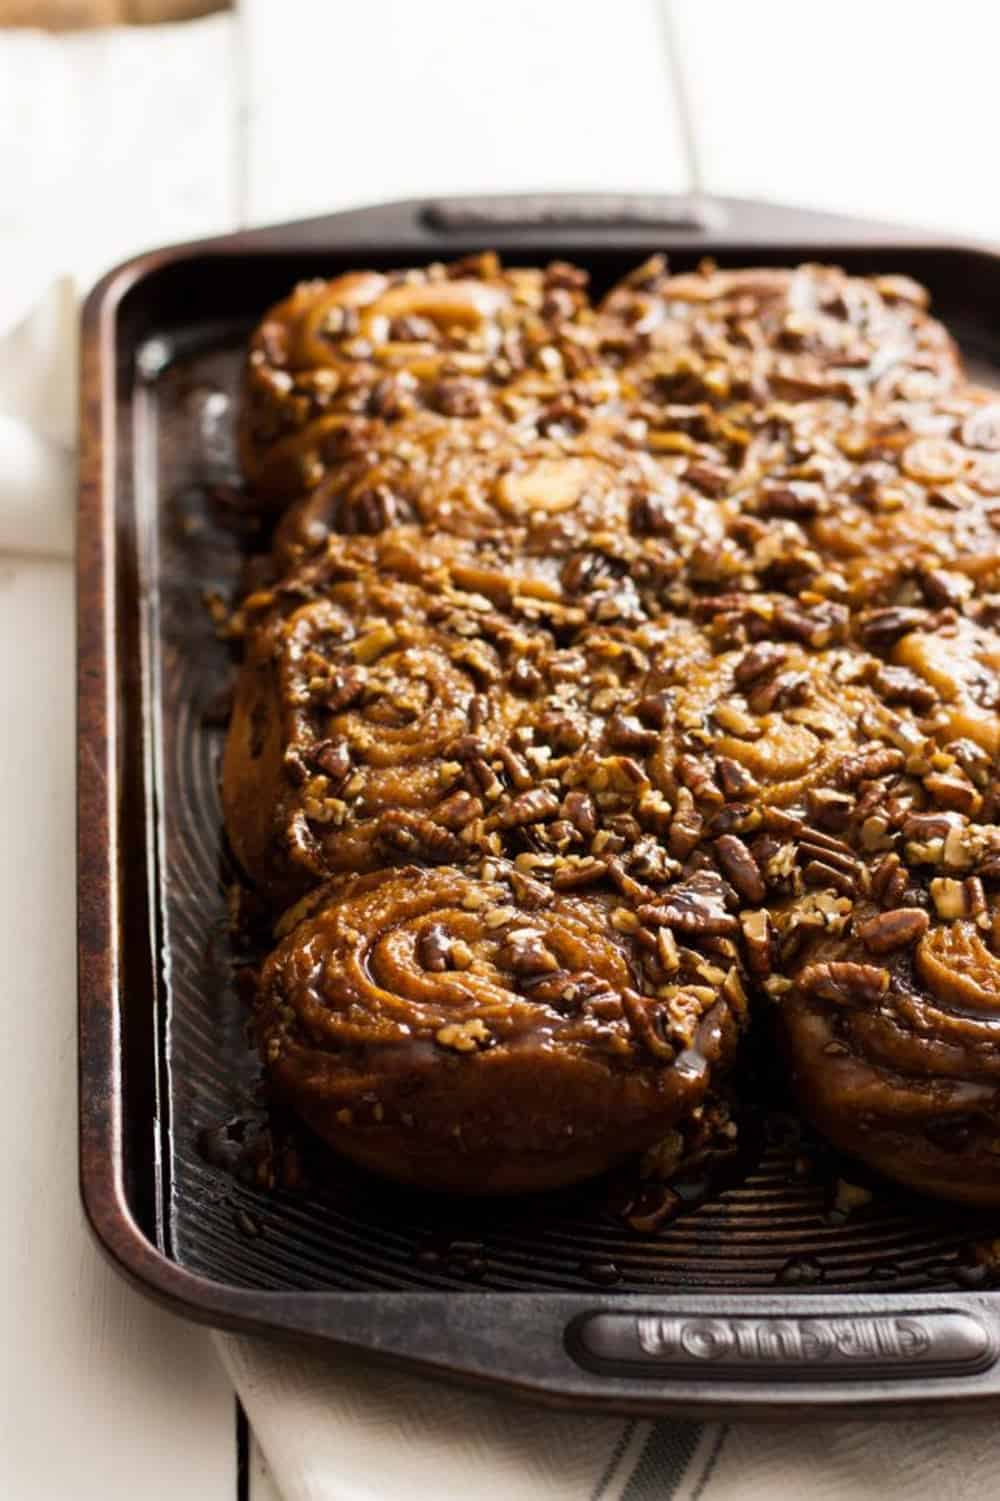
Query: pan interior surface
column 784, row 1225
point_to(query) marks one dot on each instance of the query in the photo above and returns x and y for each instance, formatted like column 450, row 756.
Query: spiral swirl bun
column 779, row 717
column 960, row 663
column 350, row 723
column 476, row 1033
column 468, row 479
column 803, row 334
column 338, row 361
column 896, row 1054
column 384, row 712
column 910, row 494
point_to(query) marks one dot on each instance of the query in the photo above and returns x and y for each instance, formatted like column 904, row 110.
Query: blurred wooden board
column 73, row 15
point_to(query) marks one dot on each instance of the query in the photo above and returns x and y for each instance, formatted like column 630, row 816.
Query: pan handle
column 730, row 1344
column 507, row 220
column 592, row 212
column 569, row 223
column 701, row 1355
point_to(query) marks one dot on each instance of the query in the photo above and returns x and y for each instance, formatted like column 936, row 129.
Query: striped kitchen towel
column 336, row 1430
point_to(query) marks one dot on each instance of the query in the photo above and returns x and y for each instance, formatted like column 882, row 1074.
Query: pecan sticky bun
column 479, row 480
column 477, row 1031
column 388, row 709
column 776, row 334
column 893, row 1039
column 338, row 361
column 356, row 698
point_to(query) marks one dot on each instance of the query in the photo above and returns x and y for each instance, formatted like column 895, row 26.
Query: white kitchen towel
column 111, row 141
column 38, row 353
column 335, row 1430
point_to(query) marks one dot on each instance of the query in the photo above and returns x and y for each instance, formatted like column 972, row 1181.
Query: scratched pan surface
column 172, row 1114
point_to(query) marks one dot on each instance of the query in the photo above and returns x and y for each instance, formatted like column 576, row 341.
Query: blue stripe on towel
column 663, row 1463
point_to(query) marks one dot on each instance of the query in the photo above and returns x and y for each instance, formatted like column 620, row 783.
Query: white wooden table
column 109, row 144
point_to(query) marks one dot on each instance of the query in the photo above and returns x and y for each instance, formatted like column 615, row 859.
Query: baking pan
column 759, row 1301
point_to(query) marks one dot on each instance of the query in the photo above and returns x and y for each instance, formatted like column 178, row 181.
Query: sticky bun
column 476, row 1031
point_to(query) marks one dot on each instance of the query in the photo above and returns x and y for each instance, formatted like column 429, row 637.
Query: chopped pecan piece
column 530, row 893
column 525, row 952
column 866, row 765
column 893, row 930
column 578, row 808
column 942, row 589
column 898, row 685
column 434, row 948
column 343, row 688
column 758, row 942
column 819, row 873
column 760, row 661
column 418, row 838
column 733, row 778
column 881, row 629
column 954, row 792
column 845, row 983
column 830, row 809
column 797, row 500
column 573, row 873
column 816, row 626
column 459, row 809
column 740, row 868
column 626, row 732
column 949, row 897
column 697, row 778
column 524, row 678
column 333, row 757
column 686, row 826
column 888, row 880
column 696, row 908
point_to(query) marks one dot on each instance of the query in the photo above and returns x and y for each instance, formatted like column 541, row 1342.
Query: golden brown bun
column 482, row 479
column 776, row 333
column 339, row 361
column 896, row 1057
column 353, row 698
column 859, row 505
column 442, row 1029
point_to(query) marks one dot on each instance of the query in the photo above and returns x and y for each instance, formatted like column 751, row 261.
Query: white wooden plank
column 867, row 110
column 111, row 142
column 107, row 1398
column 886, row 110
column 359, row 102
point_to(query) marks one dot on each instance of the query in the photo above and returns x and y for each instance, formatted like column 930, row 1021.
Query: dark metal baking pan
column 758, row 1301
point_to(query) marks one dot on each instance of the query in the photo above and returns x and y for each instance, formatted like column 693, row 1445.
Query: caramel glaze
column 650, row 670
